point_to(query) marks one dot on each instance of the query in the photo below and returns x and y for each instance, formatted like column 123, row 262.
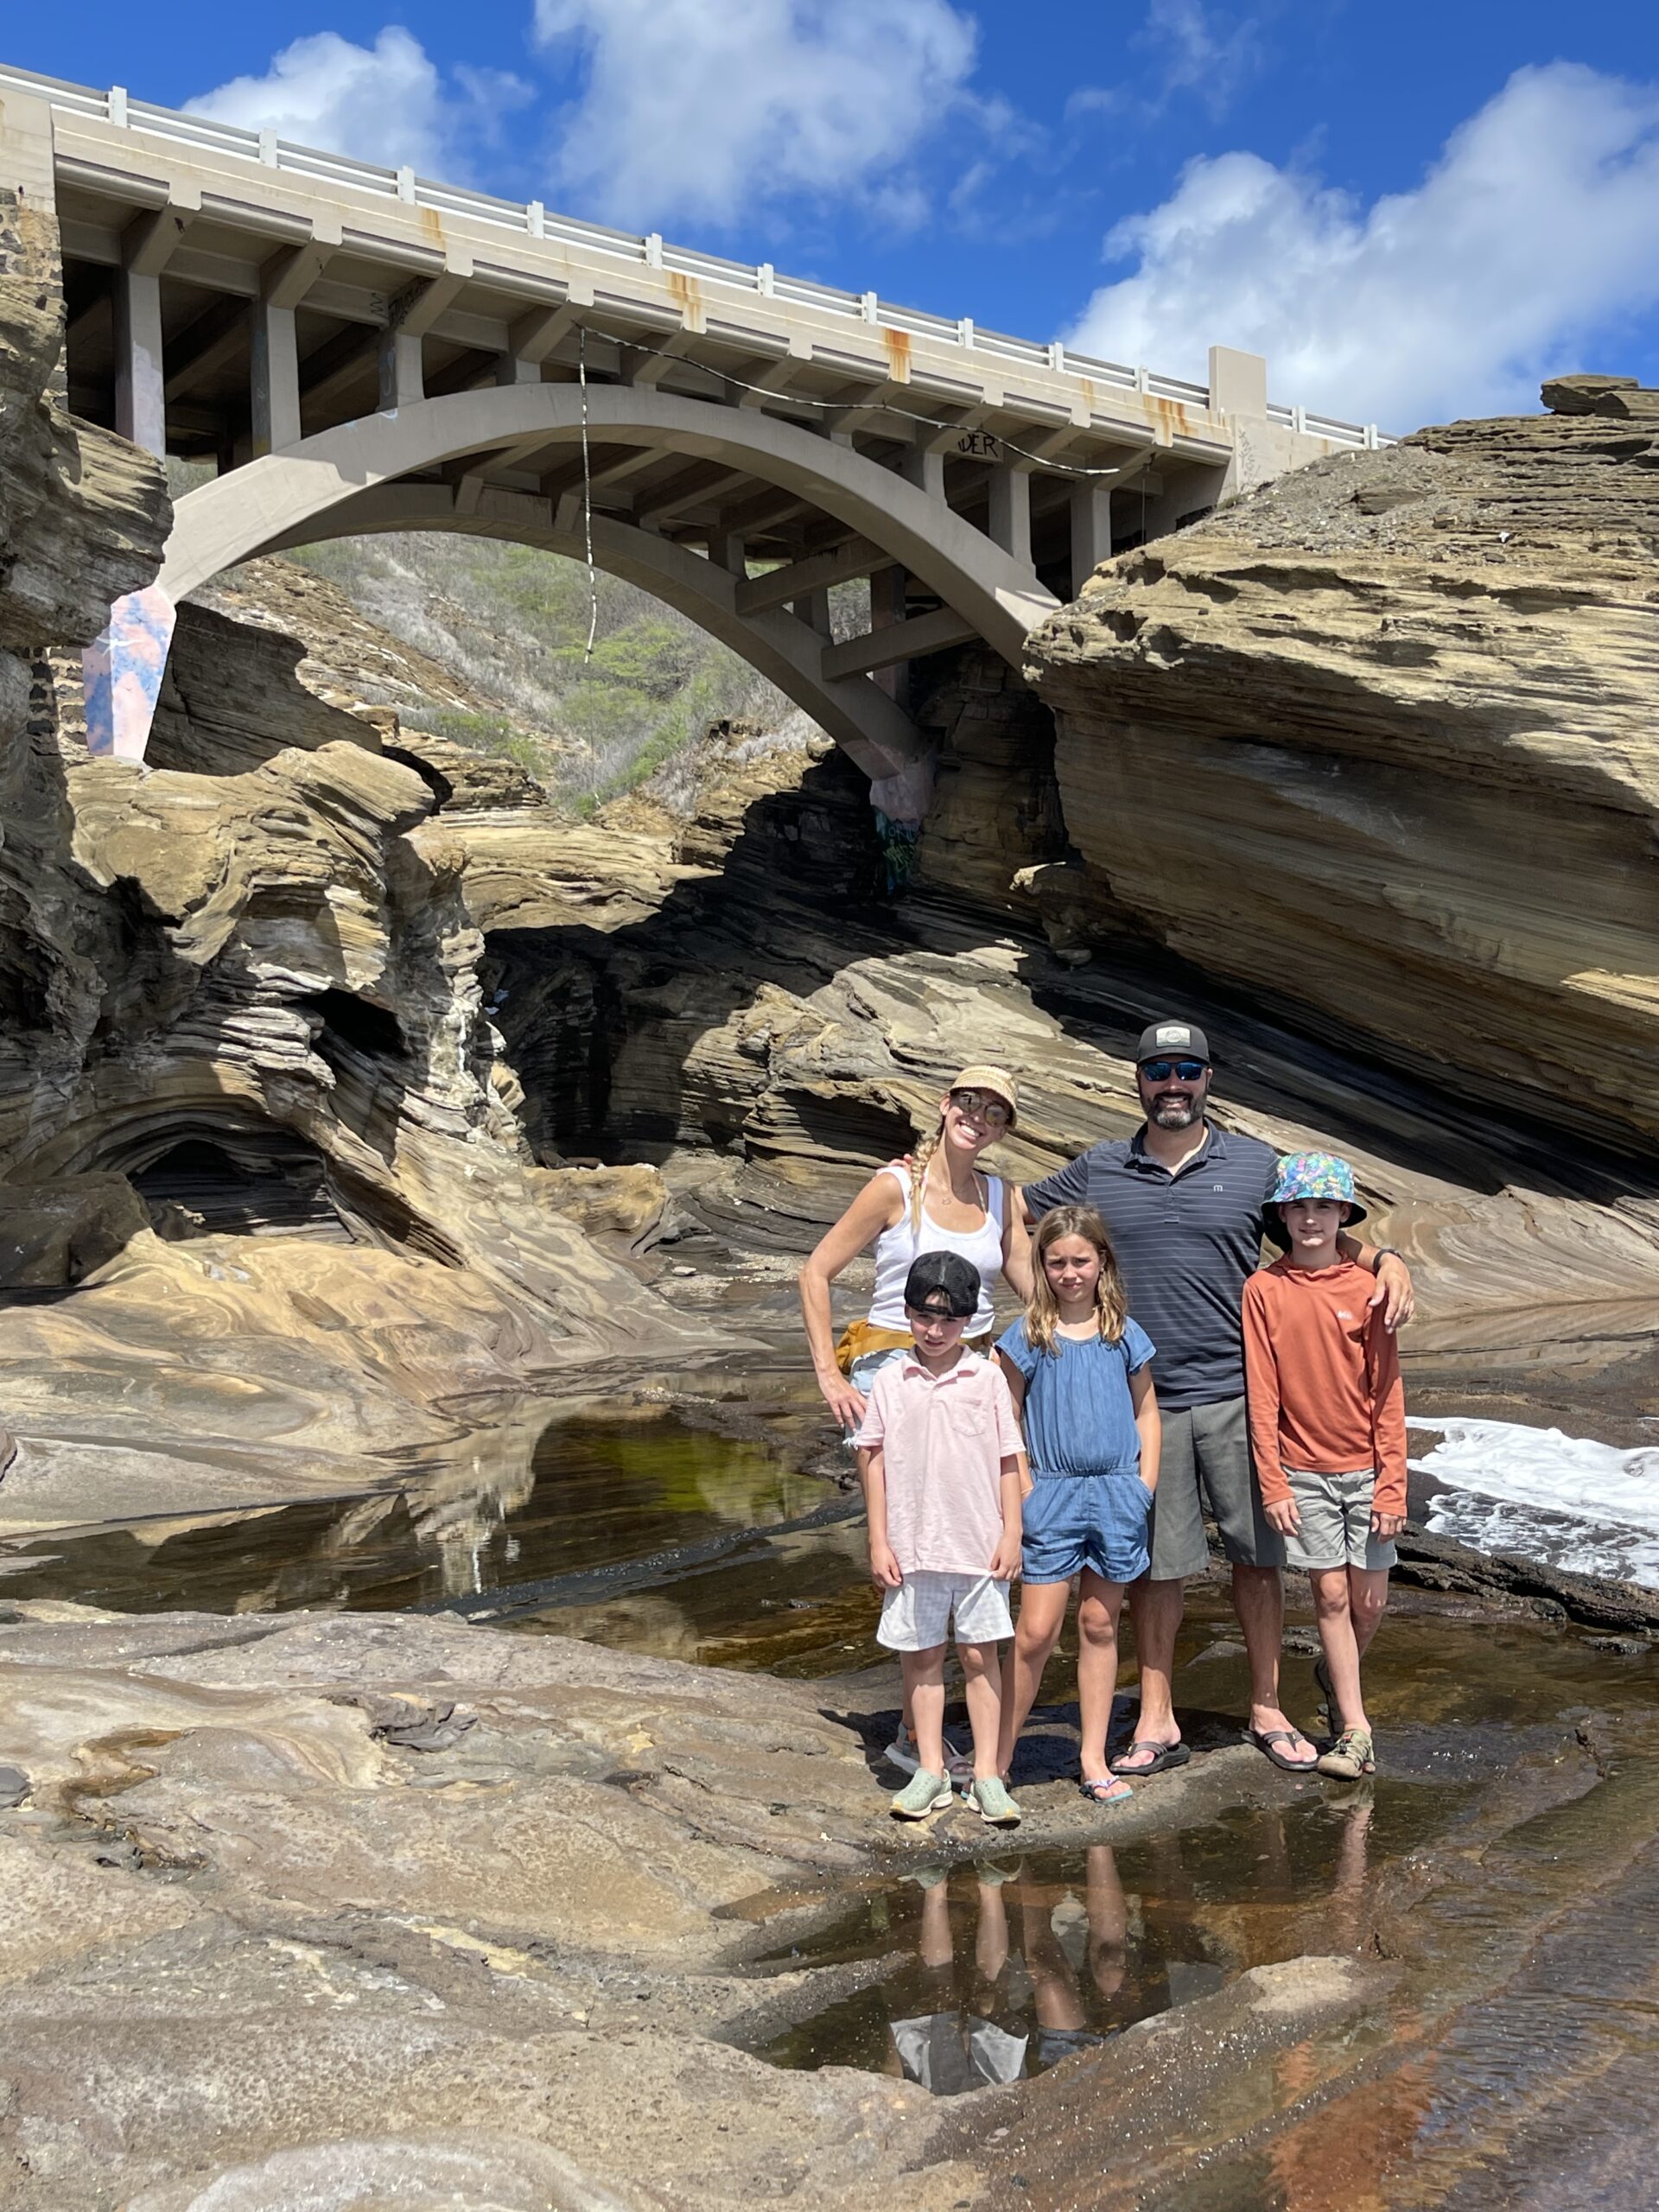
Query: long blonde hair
column 1111, row 1303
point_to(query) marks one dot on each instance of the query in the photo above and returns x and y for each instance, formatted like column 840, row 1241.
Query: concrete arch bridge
column 356, row 349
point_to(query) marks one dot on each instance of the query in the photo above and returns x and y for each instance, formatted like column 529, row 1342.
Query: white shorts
column 917, row 1615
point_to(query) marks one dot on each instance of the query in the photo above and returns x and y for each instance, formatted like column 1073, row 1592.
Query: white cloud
column 699, row 112
column 1526, row 247
column 386, row 102
column 1196, row 57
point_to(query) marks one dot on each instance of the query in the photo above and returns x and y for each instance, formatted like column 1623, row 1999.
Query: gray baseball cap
column 1170, row 1039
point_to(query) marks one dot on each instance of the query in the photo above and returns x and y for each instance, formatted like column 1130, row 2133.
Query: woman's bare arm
column 1016, row 1242
column 876, row 1207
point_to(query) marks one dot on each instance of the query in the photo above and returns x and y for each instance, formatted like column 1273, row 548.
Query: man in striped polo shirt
column 1184, row 1202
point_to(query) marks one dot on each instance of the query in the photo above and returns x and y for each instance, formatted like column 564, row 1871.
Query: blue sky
column 1415, row 211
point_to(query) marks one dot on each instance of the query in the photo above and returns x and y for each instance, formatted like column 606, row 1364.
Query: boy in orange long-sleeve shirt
column 1328, row 1429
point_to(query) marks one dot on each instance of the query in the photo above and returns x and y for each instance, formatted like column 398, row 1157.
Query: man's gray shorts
column 1209, row 1444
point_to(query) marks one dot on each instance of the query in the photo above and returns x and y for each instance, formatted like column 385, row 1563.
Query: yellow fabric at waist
column 860, row 1338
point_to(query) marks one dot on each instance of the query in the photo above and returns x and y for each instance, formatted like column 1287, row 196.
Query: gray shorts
column 1335, row 1511
column 1208, row 1446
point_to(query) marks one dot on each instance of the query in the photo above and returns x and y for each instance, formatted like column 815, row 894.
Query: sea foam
column 1568, row 1501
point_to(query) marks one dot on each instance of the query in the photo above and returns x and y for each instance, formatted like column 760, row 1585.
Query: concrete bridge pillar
column 1091, row 528
column 401, row 375
column 1010, row 518
column 140, row 391
column 275, row 386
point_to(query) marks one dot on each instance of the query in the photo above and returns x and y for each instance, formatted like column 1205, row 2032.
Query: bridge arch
column 404, row 468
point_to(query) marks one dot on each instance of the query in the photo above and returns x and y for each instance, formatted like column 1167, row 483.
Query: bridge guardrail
column 532, row 219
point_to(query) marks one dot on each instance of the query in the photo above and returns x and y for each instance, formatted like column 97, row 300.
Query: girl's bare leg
column 1097, row 1616
column 924, row 1672
column 982, row 1681
column 1336, row 1626
column 1042, row 1615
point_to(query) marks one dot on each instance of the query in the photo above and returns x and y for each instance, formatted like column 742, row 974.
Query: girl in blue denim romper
column 1080, row 1371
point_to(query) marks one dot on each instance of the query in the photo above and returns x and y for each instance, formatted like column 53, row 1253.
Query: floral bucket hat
column 1316, row 1175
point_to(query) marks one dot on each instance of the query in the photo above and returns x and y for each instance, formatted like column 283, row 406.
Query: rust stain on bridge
column 897, row 343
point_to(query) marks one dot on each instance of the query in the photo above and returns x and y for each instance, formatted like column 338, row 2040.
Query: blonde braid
column 920, row 1161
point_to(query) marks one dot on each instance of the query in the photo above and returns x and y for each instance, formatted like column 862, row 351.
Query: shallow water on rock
column 999, row 1968
column 600, row 1505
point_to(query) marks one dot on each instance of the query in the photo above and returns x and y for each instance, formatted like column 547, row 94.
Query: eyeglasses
column 984, row 1105
column 1161, row 1071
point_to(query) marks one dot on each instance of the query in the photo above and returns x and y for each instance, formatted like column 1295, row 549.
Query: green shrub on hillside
column 513, row 622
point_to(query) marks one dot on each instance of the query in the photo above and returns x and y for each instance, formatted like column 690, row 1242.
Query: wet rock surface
column 293, row 1899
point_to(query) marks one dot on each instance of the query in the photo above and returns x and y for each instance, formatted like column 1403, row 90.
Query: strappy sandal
column 1108, row 1790
column 1351, row 1756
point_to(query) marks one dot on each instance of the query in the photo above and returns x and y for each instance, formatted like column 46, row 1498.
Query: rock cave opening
column 222, row 1186
column 355, row 1026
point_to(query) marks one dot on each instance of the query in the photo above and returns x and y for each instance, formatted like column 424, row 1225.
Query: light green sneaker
column 923, row 1793
column 992, row 1801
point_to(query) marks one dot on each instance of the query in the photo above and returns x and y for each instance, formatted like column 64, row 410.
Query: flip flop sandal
column 1169, row 1755
column 1265, row 1739
column 1110, row 1790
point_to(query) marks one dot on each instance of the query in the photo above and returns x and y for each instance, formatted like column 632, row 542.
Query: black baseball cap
column 1170, row 1039
column 945, row 1275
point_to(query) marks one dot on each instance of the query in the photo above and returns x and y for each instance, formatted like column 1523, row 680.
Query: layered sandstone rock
column 1377, row 744
column 249, row 1099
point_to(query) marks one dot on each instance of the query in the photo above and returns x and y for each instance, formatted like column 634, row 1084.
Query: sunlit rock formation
column 1377, row 744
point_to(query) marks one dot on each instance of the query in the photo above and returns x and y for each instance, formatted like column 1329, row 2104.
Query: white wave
column 1586, row 1507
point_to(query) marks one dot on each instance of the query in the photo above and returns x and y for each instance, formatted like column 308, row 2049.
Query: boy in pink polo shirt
column 942, row 1461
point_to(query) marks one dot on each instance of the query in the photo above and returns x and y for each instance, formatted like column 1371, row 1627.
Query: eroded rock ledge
column 1376, row 744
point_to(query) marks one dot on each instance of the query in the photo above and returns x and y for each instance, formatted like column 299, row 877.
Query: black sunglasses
column 1161, row 1071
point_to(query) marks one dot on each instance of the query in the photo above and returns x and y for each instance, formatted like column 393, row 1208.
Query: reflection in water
column 1009, row 1966
column 587, row 1507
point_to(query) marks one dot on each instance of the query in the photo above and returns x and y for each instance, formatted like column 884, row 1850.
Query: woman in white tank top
column 946, row 1203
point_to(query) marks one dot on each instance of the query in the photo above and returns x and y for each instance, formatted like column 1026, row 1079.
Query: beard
column 1175, row 1110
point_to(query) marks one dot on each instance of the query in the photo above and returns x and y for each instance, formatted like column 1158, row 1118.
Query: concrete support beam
column 874, row 403
column 535, row 334
column 1010, row 518
column 417, row 307
column 778, row 377
column 960, row 442
column 402, row 376
column 897, row 641
column 645, row 369
column 288, row 276
column 694, row 490
column 513, row 368
column 1091, row 527
column 725, row 551
column 778, row 586
column 923, row 466
column 149, row 240
column 140, row 381
column 813, row 609
column 147, row 245
column 274, row 384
